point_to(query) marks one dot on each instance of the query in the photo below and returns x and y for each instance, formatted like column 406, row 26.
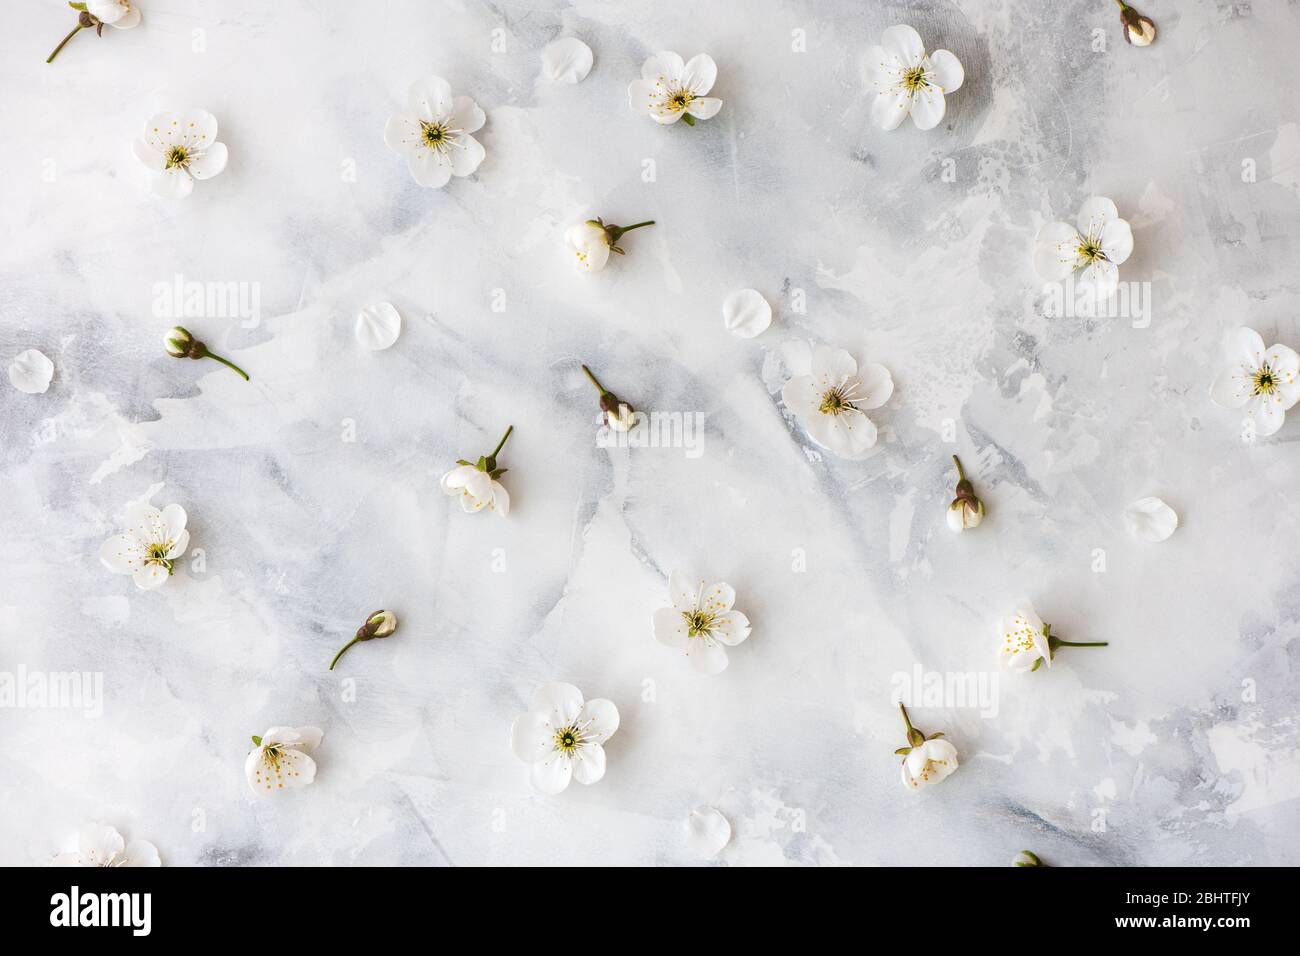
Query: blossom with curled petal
column 181, row 148
column 153, row 541
column 671, row 89
column 831, row 399
column 1098, row 243
column 1263, row 381
column 99, row 844
column 280, row 761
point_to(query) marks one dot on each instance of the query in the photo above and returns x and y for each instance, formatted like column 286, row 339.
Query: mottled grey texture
column 1061, row 422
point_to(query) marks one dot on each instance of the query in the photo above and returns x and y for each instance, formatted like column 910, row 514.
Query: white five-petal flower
column 700, row 622
column 121, row 14
column 670, row 89
column 562, row 737
column 1265, row 382
column 434, row 134
column 149, row 547
column 101, row 845
column 830, row 400
column 181, row 148
column 907, row 82
column 279, row 761
column 1098, row 244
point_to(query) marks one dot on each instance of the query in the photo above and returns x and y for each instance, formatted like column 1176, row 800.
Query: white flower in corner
column 562, row 737
column 279, row 759
column 101, row 845
column 926, row 760
column 670, row 90
column 181, row 148
column 701, row 622
column 1262, row 381
column 153, row 541
column 476, row 484
column 1098, row 243
column 909, row 83
column 1026, row 643
column 831, row 399
column 434, row 135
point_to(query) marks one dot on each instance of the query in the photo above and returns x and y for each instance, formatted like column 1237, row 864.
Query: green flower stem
column 595, row 381
column 914, row 737
column 344, row 648
column 64, row 42
column 648, row 222
column 501, row 444
column 229, row 364
column 688, row 119
column 961, row 472
column 1061, row 643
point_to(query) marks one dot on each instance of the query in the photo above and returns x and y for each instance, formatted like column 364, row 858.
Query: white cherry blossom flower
column 1098, row 243
column 153, row 541
column 121, row 14
column 279, row 759
column 434, row 134
column 909, row 83
column 701, row 622
column 475, row 483
column 1265, row 382
column 562, row 737
column 101, row 845
column 830, row 400
column 670, row 90
column 181, row 148
column 1025, row 643
column 926, row 760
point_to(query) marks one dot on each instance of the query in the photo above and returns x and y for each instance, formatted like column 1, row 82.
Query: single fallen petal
column 567, row 60
column 746, row 313
column 1150, row 519
column 31, row 372
column 378, row 326
column 707, row 832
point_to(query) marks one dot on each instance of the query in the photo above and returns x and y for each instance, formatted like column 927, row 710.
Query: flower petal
column 707, row 832
column 150, row 576
column 402, row 133
column 209, row 162
column 598, row 720
column 1268, row 413
column 1056, row 251
column 122, row 554
column 430, row 168
column 558, row 702
column 699, row 74
column 588, row 763
column 683, row 591
column 31, row 372
column 178, row 545
column 664, row 67
column 174, row 183
column 1284, row 363
column 1117, row 240
column 704, row 107
column 928, row 107
column 731, row 629
column 567, row 60
column 532, row 737
column 947, row 70
column 466, row 115
column 140, row 852
column 1150, row 519
column 99, row 844
column 904, row 44
column 707, row 655
column 378, row 326
column 552, row 775
column 881, row 71
column 153, row 158
column 746, row 313
column 173, row 520
column 1094, row 214
column 468, row 158
column 1102, row 277
column 875, row 388
column 889, row 109
column 430, row 99
column 670, row 628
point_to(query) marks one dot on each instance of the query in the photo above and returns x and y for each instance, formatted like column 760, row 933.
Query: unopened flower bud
column 619, row 415
column 966, row 510
column 179, row 343
column 1138, row 30
column 378, row 624
column 1025, row 858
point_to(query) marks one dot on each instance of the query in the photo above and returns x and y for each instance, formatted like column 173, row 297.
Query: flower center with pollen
column 914, row 79
column 1265, row 381
column 697, row 623
column 435, row 135
column 679, row 101
column 835, row 401
column 157, row 554
column 567, row 739
column 177, row 156
column 1090, row 251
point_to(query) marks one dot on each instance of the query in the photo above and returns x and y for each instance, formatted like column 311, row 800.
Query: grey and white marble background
column 1177, row 744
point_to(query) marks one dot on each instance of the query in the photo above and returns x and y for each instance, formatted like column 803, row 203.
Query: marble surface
column 1177, row 744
